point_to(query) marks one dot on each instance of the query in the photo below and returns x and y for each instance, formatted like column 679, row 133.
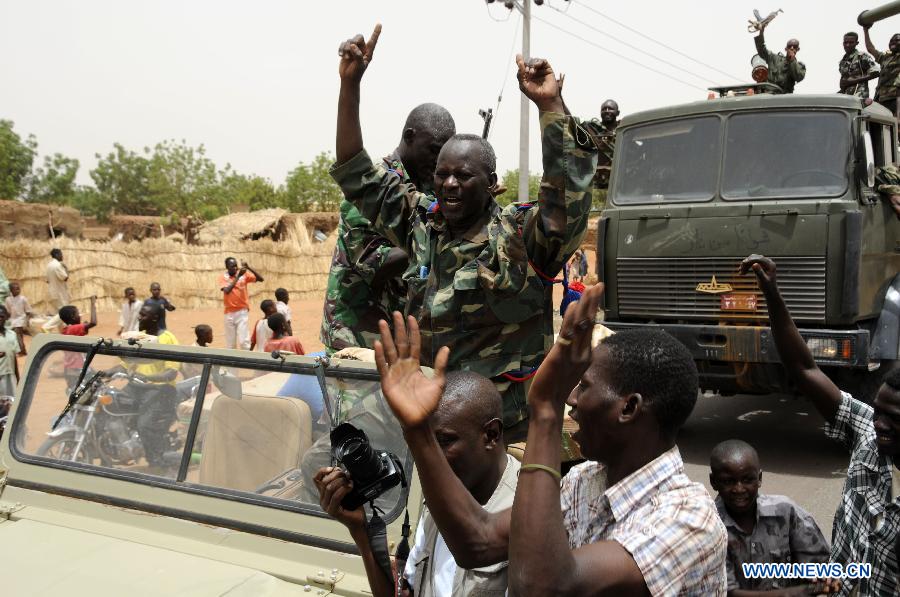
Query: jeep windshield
column 786, row 154
column 249, row 429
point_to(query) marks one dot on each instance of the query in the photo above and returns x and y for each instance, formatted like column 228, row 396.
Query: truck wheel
column 863, row 385
column 63, row 448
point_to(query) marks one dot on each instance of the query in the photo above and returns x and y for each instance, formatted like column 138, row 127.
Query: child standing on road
column 73, row 361
column 761, row 528
column 281, row 303
column 280, row 340
column 19, row 314
column 9, row 345
column 262, row 333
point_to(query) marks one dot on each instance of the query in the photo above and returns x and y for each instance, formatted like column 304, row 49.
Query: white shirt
column 56, row 278
column 128, row 318
column 263, row 334
column 283, row 309
column 19, row 309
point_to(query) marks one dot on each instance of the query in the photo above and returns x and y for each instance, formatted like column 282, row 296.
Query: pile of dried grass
column 265, row 223
column 187, row 273
column 33, row 220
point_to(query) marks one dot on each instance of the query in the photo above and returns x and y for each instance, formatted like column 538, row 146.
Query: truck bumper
column 751, row 344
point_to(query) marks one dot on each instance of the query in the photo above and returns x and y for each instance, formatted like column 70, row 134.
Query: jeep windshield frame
column 341, row 380
column 744, row 155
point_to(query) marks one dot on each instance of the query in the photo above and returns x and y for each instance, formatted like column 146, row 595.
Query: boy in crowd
column 280, row 340
column 9, row 368
column 262, row 333
column 761, row 528
column 157, row 300
column 128, row 317
column 204, row 335
column 189, row 371
column 867, row 522
column 19, row 314
column 282, row 298
column 73, row 361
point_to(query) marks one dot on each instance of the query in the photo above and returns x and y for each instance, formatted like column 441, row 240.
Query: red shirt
column 74, row 360
column 239, row 297
column 287, row 343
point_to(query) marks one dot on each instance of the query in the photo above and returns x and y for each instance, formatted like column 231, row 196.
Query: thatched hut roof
column 19, row 219
column 265, row 223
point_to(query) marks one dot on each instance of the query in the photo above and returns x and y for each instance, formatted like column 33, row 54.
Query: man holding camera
column 236, row 297
column 468, row 428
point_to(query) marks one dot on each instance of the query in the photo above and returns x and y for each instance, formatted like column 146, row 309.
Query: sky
column 256, row 82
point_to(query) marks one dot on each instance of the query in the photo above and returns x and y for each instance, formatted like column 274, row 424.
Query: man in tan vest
column 468, row 428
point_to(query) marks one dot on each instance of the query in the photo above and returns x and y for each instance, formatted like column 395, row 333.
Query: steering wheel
column 836, row 177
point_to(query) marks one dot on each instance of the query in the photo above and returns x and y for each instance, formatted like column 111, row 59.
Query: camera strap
column 377, row 532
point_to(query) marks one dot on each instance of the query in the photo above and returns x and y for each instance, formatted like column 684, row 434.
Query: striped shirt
column 667, row 523
column 867, row 521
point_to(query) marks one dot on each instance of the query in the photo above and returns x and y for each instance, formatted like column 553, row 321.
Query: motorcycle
column 102, row 425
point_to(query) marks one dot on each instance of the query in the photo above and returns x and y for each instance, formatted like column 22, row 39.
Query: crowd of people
column 429, row 270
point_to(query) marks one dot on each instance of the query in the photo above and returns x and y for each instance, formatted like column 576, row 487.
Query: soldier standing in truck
column 784, row 69
column 889, row 78
column 856, row 68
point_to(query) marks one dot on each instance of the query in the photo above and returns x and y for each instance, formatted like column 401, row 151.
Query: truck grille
column 666, row 288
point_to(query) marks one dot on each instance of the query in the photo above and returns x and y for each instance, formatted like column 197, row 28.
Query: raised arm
column 555, row 230
column 475, row 537
column 356, row 54
column 795, row 355
column 870, row 46
column 258, row 277
column 760, row 42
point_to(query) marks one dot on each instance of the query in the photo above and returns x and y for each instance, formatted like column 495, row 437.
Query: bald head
column 426, row 130
column 477, row 147
column 471, row 399
column 433, row 119
column 609, row 112
column 733, row 451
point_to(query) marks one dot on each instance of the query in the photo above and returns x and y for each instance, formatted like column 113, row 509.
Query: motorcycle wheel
column 63, row 448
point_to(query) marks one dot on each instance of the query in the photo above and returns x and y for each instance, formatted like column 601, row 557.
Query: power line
column 614, row 53
column 512, row 50
column 633, row 47
column 647, row 37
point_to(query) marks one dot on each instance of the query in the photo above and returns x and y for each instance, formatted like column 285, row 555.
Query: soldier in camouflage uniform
column 889, row 77
column 476, row 275
column 761, row 528
column 603, row 135
column 887, row 183
column 856, row 68
column 364, row 283
column 784, row 69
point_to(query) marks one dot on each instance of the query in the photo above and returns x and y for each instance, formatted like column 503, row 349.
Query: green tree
column 16, row 158
column 309, row 187
column 511, row 182
column 54, row 182
column 253, row 191
column 182, row 180
column 122, row 181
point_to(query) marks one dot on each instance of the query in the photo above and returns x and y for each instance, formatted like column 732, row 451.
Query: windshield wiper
column 75, row 394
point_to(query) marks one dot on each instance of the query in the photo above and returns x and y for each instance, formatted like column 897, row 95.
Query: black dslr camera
column 372, row 472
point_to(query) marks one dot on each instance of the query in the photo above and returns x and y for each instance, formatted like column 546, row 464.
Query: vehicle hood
column 53, row 560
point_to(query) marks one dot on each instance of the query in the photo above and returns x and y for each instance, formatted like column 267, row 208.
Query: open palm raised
column 410, row 393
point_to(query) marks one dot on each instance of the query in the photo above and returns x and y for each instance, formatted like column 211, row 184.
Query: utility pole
column 525, row 104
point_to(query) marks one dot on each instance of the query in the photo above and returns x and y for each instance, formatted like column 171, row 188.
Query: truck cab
column 696, row 188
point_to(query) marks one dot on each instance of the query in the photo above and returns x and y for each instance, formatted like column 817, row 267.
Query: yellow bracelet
column 542, row 467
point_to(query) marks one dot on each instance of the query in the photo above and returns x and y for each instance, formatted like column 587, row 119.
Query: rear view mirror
column 870, row 159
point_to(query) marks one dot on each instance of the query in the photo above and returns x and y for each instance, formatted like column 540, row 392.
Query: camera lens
column 360, row 460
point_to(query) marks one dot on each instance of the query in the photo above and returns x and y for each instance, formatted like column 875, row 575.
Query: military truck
column 233, row 512
column 698, row 187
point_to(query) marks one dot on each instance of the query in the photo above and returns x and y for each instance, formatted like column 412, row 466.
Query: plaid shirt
column 866, row 496
column 667, row 523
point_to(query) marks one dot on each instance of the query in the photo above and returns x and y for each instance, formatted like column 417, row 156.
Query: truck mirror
column 870, row 159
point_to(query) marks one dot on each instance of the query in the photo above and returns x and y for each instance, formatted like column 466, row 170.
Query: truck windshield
column 788, row 154
column 670, row 161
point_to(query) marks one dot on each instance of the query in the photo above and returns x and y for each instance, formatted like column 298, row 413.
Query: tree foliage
column 511, row 182
column 309, row 187
column 16, row 158
column 54, row 182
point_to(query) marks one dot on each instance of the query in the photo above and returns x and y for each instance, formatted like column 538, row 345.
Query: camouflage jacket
column 352, row 306
column 853, row 65
column 889, row 79
column 604, row 139
column 784, row 533
column 887, row 180
column 781, row 72
column 480, row 293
